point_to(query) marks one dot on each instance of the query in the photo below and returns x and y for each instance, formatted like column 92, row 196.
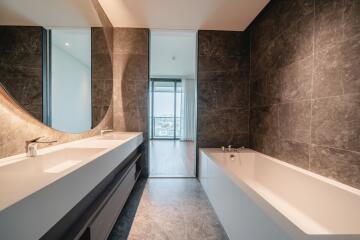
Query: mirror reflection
column 60, row 75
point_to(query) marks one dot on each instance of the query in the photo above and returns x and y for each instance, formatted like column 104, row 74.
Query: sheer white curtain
column 188, row 110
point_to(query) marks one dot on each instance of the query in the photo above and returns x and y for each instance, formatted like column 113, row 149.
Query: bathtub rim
column 279, row 217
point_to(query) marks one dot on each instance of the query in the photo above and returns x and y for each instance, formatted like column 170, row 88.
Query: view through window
column 166, row 108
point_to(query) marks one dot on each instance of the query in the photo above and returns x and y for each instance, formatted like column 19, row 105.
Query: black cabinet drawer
column 101, row 226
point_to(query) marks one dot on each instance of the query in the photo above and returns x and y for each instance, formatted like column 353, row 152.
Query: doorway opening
column 172, row 118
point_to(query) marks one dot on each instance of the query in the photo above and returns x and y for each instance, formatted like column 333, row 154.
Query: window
column 165, row 108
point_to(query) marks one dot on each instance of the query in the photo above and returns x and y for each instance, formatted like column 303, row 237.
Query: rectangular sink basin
column 62, row 166
column 66, row 158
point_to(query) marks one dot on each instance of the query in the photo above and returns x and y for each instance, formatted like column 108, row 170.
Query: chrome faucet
column 31, row 146
column 103, row 131
column 227, row 149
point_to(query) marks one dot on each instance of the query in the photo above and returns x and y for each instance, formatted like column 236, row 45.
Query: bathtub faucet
column 227, row 149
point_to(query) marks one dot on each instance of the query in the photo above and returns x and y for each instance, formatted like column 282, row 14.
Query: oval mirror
column 57, row 67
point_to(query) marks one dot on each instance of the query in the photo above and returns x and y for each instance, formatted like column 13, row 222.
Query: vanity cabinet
column 94, row 216
column 101, row 227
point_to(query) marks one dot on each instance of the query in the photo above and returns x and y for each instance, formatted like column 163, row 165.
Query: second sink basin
column 52, row 162
column 115, row 136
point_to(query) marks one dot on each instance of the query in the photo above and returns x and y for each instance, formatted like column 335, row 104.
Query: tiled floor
column 173, row 209
column 172, row 158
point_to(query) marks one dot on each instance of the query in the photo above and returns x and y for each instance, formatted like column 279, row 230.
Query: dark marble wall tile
column 131, row 41
column 268, row 145
column 293, row 44
column 263, row 30
column 208, row 140
column 289, row 83
column 101, row 75
column 98, row 38
column 327, row 77
column 329, row 27
column 230, row 122
column 352, row 18
column 207, row 99
column 261, row 61
column 101, row 96
column 295, row 80
column 21, row 58
column 341, row 165
column 337, row 69
column 222, row 125
column 336, row 122
column 130, row 67
column 277, row 17
column 101, row 66
column 18, row 73
column 223, row 64
column 288, row 13
column 222, row 43
column 131, row 80
column 134, row 95
column 294, row 121
column 305, row 66
column 223, row 88
column 20, row 39
column 349, row 65
column 265, row 120
column 21, row 66
column 265, row 89
column 294, row 153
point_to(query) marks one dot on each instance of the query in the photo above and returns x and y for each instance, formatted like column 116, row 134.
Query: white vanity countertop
column 21, row 176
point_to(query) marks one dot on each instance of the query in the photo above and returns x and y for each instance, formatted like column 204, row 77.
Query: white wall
column 165, row 45
column 71, row 93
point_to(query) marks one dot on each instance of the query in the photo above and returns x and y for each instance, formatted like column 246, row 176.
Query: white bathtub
column 257, row 197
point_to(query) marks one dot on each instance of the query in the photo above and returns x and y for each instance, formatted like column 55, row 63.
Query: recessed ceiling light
column 67, row 44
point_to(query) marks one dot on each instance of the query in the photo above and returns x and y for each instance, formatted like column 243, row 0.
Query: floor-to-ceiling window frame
column 172, row 86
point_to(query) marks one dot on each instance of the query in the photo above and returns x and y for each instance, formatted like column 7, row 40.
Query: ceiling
column 58, row 13
column 173, row 53
column 233, row 15
column 156, row 14
column 75, row 42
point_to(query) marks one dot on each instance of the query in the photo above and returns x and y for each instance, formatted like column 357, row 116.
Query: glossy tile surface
column 174, row 209
column 223, row 88
column 101, row 75
column 131, row 77
column 305, row 85
column 20, row 66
